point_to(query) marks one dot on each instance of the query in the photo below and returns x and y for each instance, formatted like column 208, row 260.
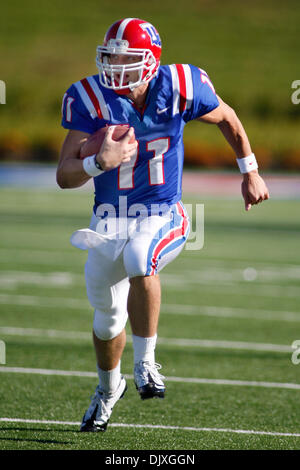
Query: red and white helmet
column 130, row 37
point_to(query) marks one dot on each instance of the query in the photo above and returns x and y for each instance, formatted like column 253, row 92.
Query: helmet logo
column 154, row 36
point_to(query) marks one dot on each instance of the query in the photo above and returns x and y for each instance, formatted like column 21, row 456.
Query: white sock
column 109, row 380
column 144, row 348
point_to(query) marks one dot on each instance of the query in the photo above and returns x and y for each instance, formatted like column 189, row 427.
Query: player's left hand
column 254, row 189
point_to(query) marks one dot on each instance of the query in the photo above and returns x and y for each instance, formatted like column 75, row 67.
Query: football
column 93, row 144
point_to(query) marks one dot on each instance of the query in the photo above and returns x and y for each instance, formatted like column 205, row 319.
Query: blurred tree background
column 249, row 49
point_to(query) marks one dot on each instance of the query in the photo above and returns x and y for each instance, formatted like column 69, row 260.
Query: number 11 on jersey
column 155, row 165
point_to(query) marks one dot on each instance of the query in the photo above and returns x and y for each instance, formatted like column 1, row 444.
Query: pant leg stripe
column 166, row 243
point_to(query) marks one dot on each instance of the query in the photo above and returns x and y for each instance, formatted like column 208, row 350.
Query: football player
column 138, row 183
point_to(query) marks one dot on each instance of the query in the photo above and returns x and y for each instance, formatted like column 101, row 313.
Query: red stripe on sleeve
column 92, row 97
column 182, row 87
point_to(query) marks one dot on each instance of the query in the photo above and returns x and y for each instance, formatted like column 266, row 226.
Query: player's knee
column 108, row 326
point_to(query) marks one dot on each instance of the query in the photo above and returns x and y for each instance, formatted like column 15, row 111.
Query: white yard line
column 181, row 283
column 36, row 301
column 224, row 287
column 186, row 342
column 206, row 275
column 230, row 312
column 45, row 333
column 37, row 371
column 207, row 343
column 154, row 426
column 227, row 279
column 178, row 309
column 193, row 380
column 30, row 254
column 14, row 279
column 38, row 257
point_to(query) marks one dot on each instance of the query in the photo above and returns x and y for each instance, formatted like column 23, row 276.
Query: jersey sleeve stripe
column 99, row 95
column 189, row 85
column 182, row 87
column 175, row 84
column 183, row 91
column 86, row 99
column 91, row 99
column 63, row 103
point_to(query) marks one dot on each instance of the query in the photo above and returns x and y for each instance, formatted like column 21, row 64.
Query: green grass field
column 240, row 293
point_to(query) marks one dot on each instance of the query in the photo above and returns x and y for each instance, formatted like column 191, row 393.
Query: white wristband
column 247, row 164
column 90, row 167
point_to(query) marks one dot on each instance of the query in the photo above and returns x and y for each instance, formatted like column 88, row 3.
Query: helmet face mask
column 112, row 75
column 138, row 44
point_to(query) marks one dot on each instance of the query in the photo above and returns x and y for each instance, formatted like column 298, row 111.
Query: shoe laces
column 152, row 369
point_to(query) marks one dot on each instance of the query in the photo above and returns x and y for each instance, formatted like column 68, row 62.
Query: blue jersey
column 178, row 94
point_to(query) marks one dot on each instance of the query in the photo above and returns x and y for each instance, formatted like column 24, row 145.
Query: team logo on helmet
column 154, row 36
column 137, row 40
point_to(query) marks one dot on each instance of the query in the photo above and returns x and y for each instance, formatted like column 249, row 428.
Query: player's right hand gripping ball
column 94, row 142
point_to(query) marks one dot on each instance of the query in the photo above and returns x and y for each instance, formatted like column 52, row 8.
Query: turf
column 243, row 286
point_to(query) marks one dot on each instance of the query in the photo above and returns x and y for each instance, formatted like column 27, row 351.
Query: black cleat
column 148, row 380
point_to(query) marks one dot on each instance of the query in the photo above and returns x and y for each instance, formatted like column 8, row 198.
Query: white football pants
column 122, row 248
